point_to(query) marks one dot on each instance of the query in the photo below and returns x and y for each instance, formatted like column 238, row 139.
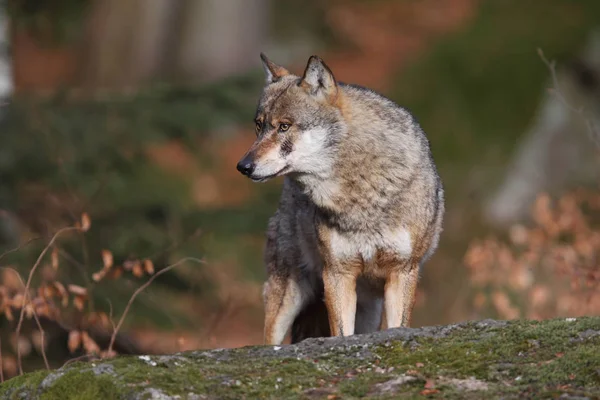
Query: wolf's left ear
column 318, row 78
column 272, row 71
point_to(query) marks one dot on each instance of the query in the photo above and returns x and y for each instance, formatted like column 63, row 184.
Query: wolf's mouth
column 261, row 179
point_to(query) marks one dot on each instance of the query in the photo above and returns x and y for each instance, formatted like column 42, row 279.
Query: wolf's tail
column 311, row 322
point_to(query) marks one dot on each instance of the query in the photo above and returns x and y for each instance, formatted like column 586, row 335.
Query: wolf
column 360, row 211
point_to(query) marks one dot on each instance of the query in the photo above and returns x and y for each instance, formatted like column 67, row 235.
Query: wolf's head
column 297, row 121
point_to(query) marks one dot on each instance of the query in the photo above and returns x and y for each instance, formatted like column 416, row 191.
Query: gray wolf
column 361, row 208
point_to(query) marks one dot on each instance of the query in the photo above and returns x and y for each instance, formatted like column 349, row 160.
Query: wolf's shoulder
column 382, row 105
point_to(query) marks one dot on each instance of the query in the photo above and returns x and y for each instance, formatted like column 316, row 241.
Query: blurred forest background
column 124, row 120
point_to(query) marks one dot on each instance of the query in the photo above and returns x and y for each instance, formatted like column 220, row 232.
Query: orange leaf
column 429, row 384
column 137, row 270
column 86, row 223
column 427, row 392
column 62, row 293
column 9, row 314
column 79, row 302
column 107, row 259
column 78, row 290
column 128, row 265
column 115, row 273
column 74, row 341
column 148, row 266
column 89, row 344
column 108, row 354
column 97, row 276
column 54, row 257
column 9, row 365
column 18, row 300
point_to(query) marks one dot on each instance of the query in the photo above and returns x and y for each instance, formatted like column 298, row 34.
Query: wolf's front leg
column 283, row 298
column 340, row 299
column 399, row 296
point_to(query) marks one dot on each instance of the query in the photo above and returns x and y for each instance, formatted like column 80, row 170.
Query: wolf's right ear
column 273, row 71
column 318, row 78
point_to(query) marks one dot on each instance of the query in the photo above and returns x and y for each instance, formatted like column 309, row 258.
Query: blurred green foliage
column 50, row 22
column 90, row 156
column 475, row 92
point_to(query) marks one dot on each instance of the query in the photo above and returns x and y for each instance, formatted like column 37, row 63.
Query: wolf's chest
column 394, row 242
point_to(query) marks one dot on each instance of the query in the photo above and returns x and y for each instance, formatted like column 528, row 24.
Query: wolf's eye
column 258, row 126
column 284, row 127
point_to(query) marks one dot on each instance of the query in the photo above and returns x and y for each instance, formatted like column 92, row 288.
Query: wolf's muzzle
column 246, row 165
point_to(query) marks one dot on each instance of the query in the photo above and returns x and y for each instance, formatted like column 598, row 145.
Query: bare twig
column 19, row 247
column 110, row 316
column 28, row 285
column 1, row 363
column 36, row 317
column 82, row 270
column 83, row 357
column 175, row 245
column 139, row 290
column 593, row 130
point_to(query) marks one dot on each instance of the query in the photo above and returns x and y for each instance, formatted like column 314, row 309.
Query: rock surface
column 557, row 358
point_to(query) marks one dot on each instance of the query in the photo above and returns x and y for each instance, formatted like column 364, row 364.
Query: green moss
column 75, row 385
column 531, row 356
column 21, row 384
column 519, row 359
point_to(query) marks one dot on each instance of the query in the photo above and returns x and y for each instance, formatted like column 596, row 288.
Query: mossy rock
column 486, row 359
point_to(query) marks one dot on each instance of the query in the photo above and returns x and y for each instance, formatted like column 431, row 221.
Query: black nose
column 246, row 166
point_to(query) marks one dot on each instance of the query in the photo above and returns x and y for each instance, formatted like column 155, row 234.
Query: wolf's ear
column 272, row 71
column 318, row 78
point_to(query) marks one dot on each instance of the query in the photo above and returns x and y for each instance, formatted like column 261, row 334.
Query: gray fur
column 366, row 172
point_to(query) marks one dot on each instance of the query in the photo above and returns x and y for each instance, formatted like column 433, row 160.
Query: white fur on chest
column 397, row 241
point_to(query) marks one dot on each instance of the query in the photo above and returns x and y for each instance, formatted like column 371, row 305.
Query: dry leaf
column 429, row 384
column 137, row 270
column 104, row 319
column 8, row 313
column 37, row 338
column 9, row 365
column 11, row 280
column 21, row 342
column 79, row 302
column 115, row 273
column 419, row 365
column 86, row 223
column 97, row 276
column 28, row 310
column 54, row 257
column 46, row 291
column 41, row 308
column 48, row 273
column 107, row 259
column 62, row 292
column 148, row 266
column 78, row 290
column 108, row 354
column 89, row 344
column 128, row 265
column 74, row 341
column 427, row 392
column 18, row 300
